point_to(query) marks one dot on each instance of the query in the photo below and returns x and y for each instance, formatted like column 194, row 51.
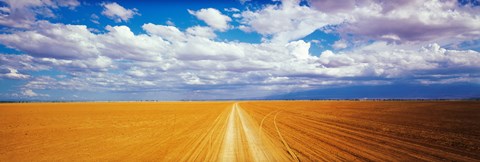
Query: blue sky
column 183, row 50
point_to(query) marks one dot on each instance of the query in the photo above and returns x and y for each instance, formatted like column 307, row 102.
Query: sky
column 59, row 50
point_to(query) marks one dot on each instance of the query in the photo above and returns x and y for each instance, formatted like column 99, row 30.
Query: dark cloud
column 406, row 30
column 330, row 6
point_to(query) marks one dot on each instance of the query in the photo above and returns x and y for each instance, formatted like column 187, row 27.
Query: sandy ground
column 243, row 131
column 373, row 131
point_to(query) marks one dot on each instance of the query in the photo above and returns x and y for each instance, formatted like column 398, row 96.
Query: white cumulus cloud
column 118, row 13
column 213, row 18
column 12, row 73
column 287, row 21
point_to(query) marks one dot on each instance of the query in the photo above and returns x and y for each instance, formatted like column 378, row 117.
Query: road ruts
column 235, row 136
column 244, row 142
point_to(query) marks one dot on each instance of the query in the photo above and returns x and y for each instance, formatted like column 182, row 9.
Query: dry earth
column 243, row 131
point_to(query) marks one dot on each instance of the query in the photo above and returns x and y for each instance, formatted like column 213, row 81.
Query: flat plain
column 241, row 131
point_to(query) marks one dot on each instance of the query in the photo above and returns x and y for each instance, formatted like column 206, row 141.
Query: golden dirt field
column 241, row 131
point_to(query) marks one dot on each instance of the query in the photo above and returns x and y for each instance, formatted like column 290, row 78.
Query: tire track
column 261, row 123
column 295, row 158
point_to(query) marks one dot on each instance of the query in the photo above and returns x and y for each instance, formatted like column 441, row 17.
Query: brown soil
column 243, row 131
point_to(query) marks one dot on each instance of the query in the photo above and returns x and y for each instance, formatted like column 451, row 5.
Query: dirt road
column 234, row 136
column 244, row 141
